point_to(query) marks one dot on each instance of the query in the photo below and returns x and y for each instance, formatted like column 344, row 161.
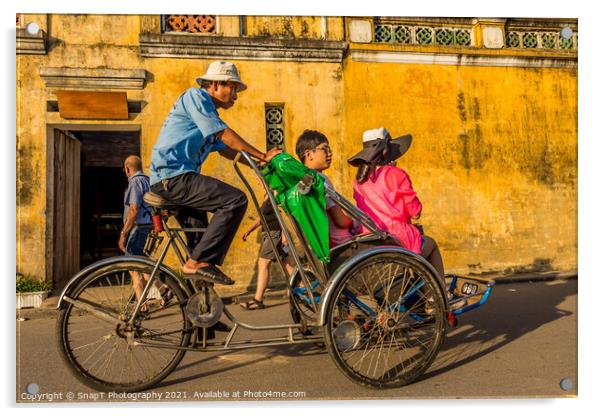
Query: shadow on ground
column 508, row 315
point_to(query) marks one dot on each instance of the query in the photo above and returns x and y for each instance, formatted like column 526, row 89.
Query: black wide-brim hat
column 380, row 148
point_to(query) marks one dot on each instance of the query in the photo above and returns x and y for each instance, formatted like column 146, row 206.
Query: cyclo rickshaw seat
column 158, row 202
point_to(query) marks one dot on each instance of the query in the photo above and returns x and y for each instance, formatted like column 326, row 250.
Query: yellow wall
column 308, row 27
column 110, row 44
column 493, row 158
column 31, row 169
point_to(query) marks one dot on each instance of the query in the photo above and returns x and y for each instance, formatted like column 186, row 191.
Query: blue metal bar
column 404, row 298
column 474, row 305
column 453, row 283
column 359, row 303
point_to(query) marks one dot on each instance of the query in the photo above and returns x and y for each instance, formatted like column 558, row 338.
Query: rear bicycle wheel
column 102, row 350
column 386, row 321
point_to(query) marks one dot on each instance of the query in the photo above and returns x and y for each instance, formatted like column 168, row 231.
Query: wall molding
column 31, row 44
column 426, row 58
column 252, row 48
column 96, row 78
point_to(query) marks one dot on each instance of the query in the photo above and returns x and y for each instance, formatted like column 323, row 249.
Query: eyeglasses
column 326, row 149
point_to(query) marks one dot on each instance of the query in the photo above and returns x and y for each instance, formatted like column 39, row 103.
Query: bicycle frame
column 173, row 235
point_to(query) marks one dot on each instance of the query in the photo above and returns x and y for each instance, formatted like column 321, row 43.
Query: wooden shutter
column 66, row 225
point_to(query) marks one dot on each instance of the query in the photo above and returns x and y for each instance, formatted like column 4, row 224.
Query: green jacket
column 283, row 175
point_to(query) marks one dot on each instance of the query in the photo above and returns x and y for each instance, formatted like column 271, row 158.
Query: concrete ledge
column 255, row 48
column 462, row 59
column 532, row 277
column 31, row 44
column 96, row 78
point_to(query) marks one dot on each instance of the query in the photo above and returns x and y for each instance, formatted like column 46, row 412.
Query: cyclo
column 380, row 310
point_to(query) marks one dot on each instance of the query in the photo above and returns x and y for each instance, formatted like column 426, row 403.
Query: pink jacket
column 391, row 202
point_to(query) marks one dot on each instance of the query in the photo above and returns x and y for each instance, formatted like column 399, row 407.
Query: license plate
column 469, row 289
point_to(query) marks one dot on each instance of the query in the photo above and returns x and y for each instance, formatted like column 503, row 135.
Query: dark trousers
column 200, row 194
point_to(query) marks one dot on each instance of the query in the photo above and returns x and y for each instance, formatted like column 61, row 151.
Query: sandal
column 251, row 305
column 144, row 308
column 209, row 273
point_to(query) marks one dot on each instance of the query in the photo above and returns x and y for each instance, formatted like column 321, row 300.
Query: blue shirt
column 187, row 136
column 138, row 185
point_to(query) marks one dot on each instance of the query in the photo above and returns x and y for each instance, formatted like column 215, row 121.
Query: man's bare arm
column 237, row 143
column 231, row 154
column 130, row 222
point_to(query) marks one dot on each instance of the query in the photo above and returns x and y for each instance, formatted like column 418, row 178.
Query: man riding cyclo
column 190, row 132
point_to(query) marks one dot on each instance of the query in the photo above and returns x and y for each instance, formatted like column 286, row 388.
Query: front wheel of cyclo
column 102, row 350
column 385, row 320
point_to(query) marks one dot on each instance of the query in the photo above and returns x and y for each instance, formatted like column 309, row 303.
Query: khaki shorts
column 266, row 251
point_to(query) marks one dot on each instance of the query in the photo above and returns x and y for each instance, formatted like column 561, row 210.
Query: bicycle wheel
column 102, row 350
column 386, row 321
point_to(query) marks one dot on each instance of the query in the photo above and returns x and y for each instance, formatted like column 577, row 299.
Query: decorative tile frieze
column 422, row 35
column 539, row 40
column 190, row 23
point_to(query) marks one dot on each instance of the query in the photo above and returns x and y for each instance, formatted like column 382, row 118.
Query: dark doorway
column 103, row 184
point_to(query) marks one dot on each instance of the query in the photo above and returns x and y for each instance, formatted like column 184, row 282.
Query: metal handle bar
column 353, row 211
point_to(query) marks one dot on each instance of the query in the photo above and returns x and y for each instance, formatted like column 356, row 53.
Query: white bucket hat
column 222, row 71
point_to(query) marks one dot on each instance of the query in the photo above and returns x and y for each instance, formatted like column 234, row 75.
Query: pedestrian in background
column 137, row 224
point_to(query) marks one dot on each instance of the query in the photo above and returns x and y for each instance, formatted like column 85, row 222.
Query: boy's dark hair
column 309, row 140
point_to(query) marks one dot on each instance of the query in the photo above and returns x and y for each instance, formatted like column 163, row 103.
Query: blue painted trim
column 474, row 305
column 359, row 303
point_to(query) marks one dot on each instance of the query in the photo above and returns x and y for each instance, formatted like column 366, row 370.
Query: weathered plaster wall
column 308, row 27
column 73, row 41
column 30, row 169
column 494, row 156
column 493, row 159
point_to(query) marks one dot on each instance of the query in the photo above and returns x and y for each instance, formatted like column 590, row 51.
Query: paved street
column 523, row 342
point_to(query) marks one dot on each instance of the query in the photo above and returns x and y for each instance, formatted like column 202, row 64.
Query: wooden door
column 67, row 150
